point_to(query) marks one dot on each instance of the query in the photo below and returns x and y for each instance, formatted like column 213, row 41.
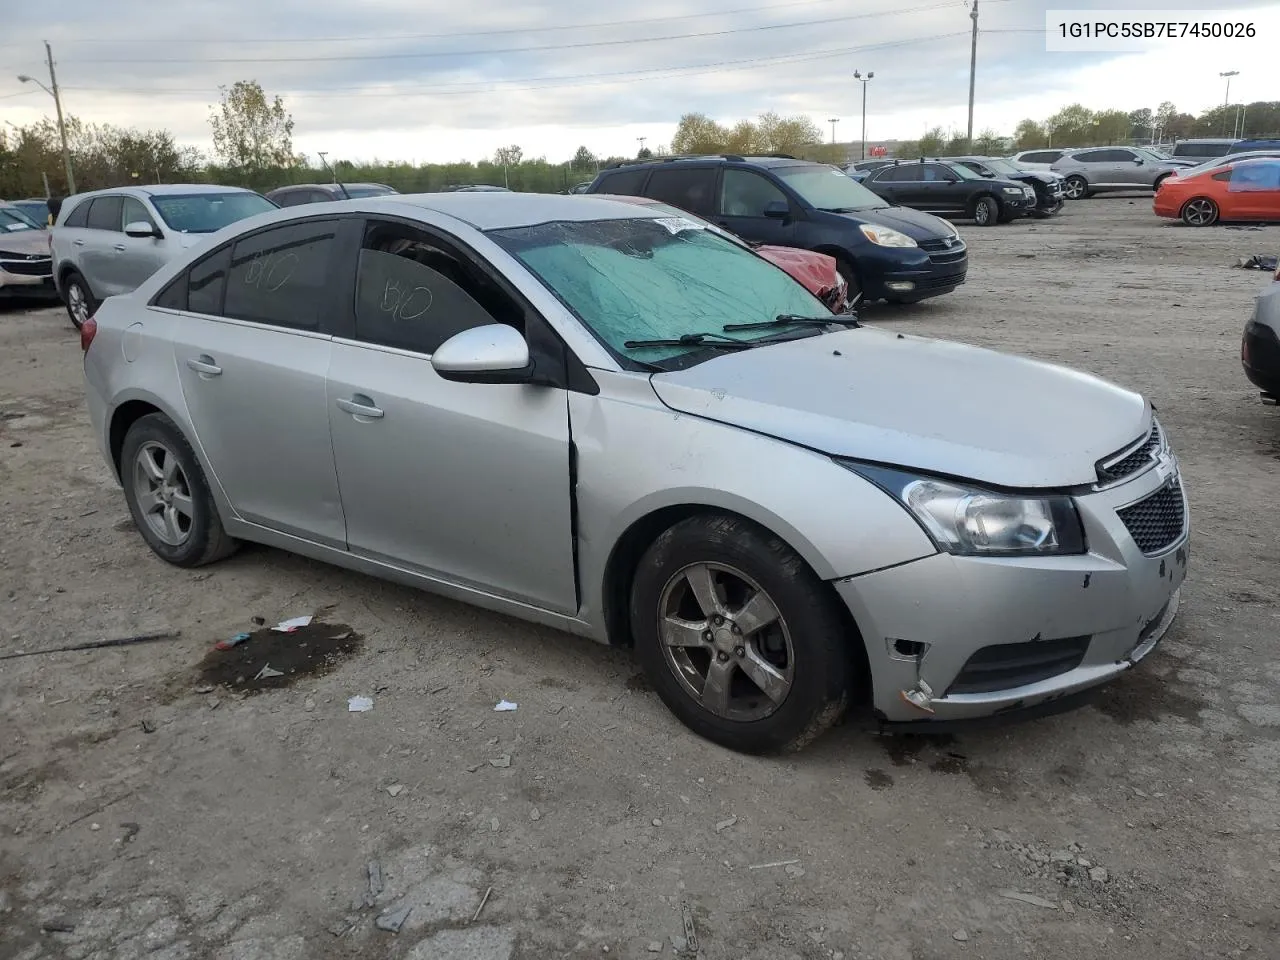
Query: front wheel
column 743, row 643
column 1076, row 188
column 80, row 302
column 986, row 212
column 169, row 496
column 850, row 274
column 1199, row 212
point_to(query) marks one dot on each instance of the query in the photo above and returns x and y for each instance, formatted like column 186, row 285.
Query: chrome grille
column 1158, row 521
column 1133, row 459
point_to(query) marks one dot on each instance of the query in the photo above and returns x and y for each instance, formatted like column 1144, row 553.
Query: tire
column 169, row 496
column 850, row 274
column 1159, row 180
column 1075, row 187
column 1199, row 212
column 986, row 211
column 80, row 301
column 802, row 655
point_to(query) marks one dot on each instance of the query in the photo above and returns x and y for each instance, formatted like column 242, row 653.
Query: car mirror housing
column 777, row 210
column 494, row 353
column 140, row 228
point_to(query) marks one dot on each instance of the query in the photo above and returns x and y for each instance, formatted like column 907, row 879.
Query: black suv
column 952, row 190
column 300, row 193
column 1047, row 184
column 883, row 252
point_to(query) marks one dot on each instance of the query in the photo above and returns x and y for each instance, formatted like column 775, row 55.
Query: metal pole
column 45, row 177
column 973, row 66
column 62, row 126
column 864, row 119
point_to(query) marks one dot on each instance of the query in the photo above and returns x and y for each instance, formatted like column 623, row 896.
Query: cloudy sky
column 435, row 80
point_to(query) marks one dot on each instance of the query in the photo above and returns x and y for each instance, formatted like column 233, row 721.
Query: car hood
column 914, row 223
column 816, row 271
column 929, row 405
column 1040, row 176
column 25, row 242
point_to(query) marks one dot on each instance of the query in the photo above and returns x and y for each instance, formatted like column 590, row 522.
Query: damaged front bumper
column 957, row 638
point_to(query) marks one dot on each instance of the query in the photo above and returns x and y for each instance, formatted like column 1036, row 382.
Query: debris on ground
column 726, row 824
column 58, row 925
column 1259, row 261
column 148, row 726
column 505, row 706
column 131, row 830
column 373, row 870
column 395, row 789
column 655, row 946
column 535, row 814
column 1029, row 898
column 776, row 863
column 340, row 928
column 690, row 930
column 97, row 644
column 267, row 673
column 233, row 641
column 502, row 761
column 392, row 920
column 795, row 871
column 292, row 624
column 960, row 936
column 269, row 659
column 476, row 916
column 359, row 704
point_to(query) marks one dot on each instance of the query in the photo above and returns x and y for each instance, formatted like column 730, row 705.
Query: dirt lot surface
column 144, row 812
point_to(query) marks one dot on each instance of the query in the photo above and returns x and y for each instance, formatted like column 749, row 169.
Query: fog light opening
column 901, row 286
column 908, row 649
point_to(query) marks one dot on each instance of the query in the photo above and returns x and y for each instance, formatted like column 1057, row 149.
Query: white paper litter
column 360, row 704
column 292, row 624
column 504, row 706
column 267, row 672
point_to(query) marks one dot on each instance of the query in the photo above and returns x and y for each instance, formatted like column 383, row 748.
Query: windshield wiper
column 692, row 340
column 787, row 319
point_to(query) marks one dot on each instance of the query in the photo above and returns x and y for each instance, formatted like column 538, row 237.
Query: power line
column 330, row 58
column 544, row 83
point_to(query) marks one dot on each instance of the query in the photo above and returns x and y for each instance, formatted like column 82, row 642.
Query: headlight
column 886, row 236
column 1016, row 191
column 969, row 521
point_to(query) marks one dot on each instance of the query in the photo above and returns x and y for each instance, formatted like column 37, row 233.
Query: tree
column 696, row 134
column 989, row 143
column 1072, row 126
column 1141, row 123
column 1029, row 135
column 931, row 144
column 250, row 132
column 791, row 135
column 507, row 156
column 644, row 153
column 584, row 159
column 1111, row 126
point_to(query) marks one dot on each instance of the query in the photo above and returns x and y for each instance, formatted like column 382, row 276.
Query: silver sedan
column 618, row 423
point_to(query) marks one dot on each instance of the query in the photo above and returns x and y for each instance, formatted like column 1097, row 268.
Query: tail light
column 87, row 333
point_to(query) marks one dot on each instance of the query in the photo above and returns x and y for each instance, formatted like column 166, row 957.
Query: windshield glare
column 209, row 212
column 828, row 188
column 963, row 172
column 657, row 279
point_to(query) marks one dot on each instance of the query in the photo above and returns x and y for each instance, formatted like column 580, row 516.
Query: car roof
column 759, row 161
column 1209, row 140
column 489, row 210
column 163, row 190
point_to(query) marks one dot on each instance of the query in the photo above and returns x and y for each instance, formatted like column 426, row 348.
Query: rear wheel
column 1075, row 187
column 80, row 302
column 986, row 211
column 739, row 638
column 1199, row 212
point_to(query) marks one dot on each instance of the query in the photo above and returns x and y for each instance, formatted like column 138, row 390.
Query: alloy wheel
column 1200, row 212
column 726, row 641
column 1074, row 188
column 78, row 303
column 163, row 494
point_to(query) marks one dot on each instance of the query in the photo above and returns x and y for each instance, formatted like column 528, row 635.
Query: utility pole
column 973, row 68
column 641, row 141
column 833, row 121
column 864, row 81
column 1226, row 100
column 52, row 90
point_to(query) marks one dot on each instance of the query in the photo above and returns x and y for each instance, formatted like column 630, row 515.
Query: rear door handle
column 204, row 366
column 121, row 247
column 360, row 406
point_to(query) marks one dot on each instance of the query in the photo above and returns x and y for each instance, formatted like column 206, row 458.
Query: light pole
column 973, row 70
column 864, row 81
column 833, row 121
column 57, row 102
column 641, row 141
column 1227, row 76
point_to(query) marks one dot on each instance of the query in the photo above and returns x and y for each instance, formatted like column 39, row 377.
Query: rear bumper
column 995, row 636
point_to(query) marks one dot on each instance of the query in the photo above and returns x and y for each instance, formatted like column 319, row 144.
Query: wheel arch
column 122, row 418
column 624, row 560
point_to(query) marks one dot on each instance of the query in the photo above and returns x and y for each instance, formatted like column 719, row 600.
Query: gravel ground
column 143, row 813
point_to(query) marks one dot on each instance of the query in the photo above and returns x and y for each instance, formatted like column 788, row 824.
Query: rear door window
column 626, row 182
column 281, row 276
column 105, row 213
column 78, row 217
column 688, row 189
column 207, row 283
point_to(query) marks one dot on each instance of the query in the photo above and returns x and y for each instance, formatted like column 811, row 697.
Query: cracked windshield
column 639, row 280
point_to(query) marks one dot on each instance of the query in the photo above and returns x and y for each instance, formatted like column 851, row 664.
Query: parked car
column 1243, row 190
column 859, row 169
column 1048, row 186
column 581, row 187
column 1250, row 146
column 952, row 190
column 818, row 272
column 1199, row 150
column 1219, row 162
column 1105, row 169
column 1043, row 159
column 477, row 188
column 25, row 265
column 298, row 193
column 36, row 208
column 883, row 252
column 108, row 241
column 654, row 439
column 1260, row 349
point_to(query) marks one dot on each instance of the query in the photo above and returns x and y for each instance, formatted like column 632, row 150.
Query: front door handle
column 121, row 247
column 78, row 243
column 204, row 366
column 360, row 406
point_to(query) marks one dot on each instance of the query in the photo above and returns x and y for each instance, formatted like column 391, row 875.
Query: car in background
column 106, row 242
column 1250, row 146
column 1219, row 162
column 37, row 208
column 1108, row 169
column 26, row 267
column 1204, row 148
column 1242, row 190
column 295, row 194
column 1048, row 186
column 1260, row 348
column 1042, row 159
column 817, row 271
column 952, row 190
column 477, row 188
column 573, row 412
column 859, row 169
column 883, row 252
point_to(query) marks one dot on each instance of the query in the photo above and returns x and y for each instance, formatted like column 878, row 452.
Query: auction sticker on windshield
column 676, row 225
column 1098, row 31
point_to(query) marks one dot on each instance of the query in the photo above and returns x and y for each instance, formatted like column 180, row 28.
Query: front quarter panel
column 636, row 457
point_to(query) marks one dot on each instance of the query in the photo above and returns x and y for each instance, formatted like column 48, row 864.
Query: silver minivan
column 108, row 242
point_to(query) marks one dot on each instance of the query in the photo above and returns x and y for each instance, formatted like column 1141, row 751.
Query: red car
column 816, row 271
column 1244, row 190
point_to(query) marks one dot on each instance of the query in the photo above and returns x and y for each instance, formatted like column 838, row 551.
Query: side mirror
column 777, row 210
column 1138, row 161
column 494, row 353
column 139, row 229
